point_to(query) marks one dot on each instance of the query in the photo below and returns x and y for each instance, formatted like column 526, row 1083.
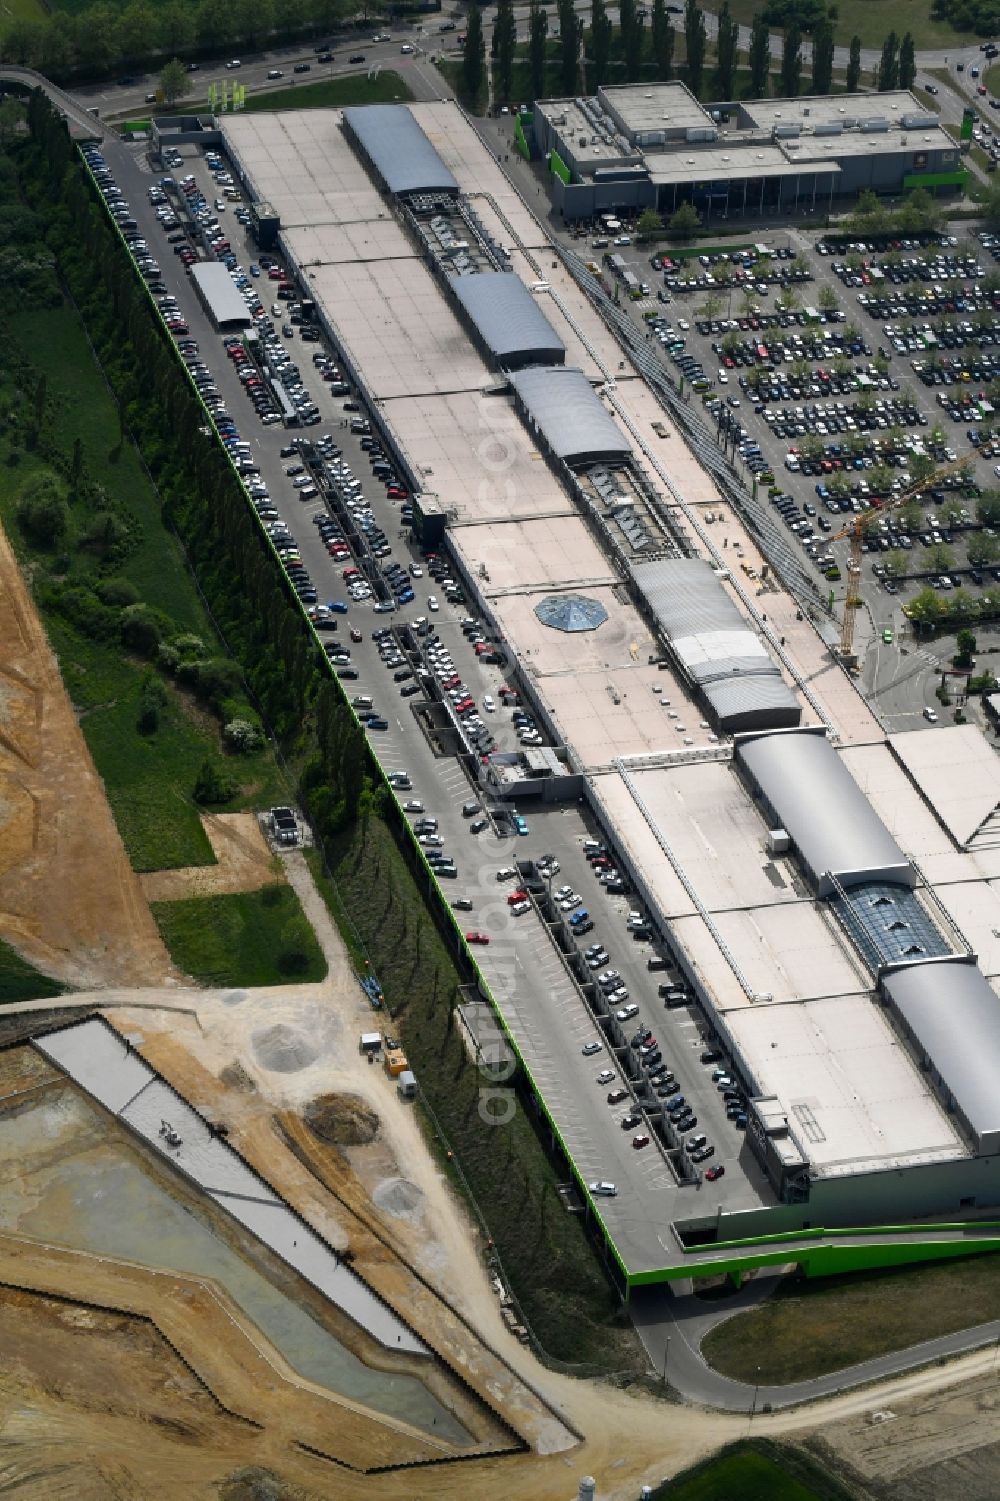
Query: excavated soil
column 243, row 863
column 342, row 1120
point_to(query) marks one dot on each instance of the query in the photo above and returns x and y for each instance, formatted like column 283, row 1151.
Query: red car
column 351, row 573
column 714, row 1173
column 477, row 937
column 638, row 1142
column 517, row 896
column 397, row 492
column 355, row 633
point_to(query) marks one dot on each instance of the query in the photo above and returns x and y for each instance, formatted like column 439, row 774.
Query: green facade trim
column 956, row 179
column 559, row 167
column 520, row 139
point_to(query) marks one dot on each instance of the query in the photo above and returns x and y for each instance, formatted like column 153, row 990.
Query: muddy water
column 63, row 1181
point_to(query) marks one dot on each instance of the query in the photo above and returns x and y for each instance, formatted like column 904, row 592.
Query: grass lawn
column 149, row 779
column 334, row 93
column 754, row 1471
column 20, row 982
column 21, row 10
column 872, row 23
column 249, row 938
column 809, row 1328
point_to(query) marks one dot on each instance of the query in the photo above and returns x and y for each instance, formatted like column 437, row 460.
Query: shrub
column 242, row 737
column 152, row 700
column 213, row 785
column 44, row 516
column 140, row 630
column 118, row 592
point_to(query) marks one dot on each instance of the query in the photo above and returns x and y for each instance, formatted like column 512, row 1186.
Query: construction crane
column 856, row 529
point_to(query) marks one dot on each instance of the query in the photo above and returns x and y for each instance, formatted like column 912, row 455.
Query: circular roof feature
column 571, row 612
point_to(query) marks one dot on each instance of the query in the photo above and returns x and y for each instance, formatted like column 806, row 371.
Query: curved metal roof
column 952, row 1014
column 563, row 406
column 397, row 149
column 220, row 295
column 716, row 646
column 833, row 826
column 508, row 320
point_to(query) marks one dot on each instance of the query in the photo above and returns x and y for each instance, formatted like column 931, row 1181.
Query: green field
column 249, row 938
column 149, row 778
column 333, row 93
column 21, row 10
column 873, row 22
column 755, row 1471
column 809, row 1328
column 20, row 982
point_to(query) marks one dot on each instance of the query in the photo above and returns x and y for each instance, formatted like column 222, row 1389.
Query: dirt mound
column 400, row 1198
column 235, row 1076
column 343, row 1120
column 283, row 1049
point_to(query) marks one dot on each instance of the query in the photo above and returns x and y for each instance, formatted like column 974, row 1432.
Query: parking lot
column 836, row 393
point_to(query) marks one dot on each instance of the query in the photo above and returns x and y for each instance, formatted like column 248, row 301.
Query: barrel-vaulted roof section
column 952, row 1014
column 508, row 320
column 564, row 408
column 221, row 297
column 715, row 645
column 398, row 151
column 833, row 826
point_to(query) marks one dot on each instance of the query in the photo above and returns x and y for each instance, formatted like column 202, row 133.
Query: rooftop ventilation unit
column 918, row 122
column 829, row 128
column 874, row 127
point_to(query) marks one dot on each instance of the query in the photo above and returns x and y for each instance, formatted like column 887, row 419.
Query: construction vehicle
column 855, row 530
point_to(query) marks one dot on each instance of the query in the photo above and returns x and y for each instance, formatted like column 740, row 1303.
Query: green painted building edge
column 820, row 1232
column 559, row 167
column 956, row 179
column 520, row 139
column 822, row 1260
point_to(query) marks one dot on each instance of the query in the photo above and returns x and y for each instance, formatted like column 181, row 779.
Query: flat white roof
column 716, row 831
column 301, row 163
column 852, row 1097
column 401, row 332
column 473, row 452
column 770, row 956
column 682, row 162
column 957, row 770
column 360, row 240
column 551, row 552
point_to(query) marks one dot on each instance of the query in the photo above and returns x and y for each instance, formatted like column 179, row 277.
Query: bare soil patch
column 342, row 1120
column 243, row 863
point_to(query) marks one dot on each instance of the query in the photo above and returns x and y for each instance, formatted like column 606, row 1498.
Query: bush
column 214, row 785
column 242, row 737
column 118, row 592
column 152, row 700
column 43, row 515
column 140, row 630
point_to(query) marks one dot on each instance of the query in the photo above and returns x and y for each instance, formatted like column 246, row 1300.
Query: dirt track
column 69, row 900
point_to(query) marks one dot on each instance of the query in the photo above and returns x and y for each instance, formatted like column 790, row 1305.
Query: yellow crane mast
column 855, row 531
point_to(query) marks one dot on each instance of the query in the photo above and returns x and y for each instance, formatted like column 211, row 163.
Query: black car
column 325, row 57
column 302, row 68
column 356, row 57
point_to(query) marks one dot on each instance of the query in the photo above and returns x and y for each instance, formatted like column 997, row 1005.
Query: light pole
column 666, row 1352
column 756, row 1391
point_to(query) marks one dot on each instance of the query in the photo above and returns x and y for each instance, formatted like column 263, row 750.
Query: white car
column 684, row 324
column 623, row 239
column 590, row 1048
column 603, row 1190
column 432, row 603
column 571, row 902
column 407, row 50
column 627, row 1012
column 489, row 703
column 606, row 1076
column 519, row 909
